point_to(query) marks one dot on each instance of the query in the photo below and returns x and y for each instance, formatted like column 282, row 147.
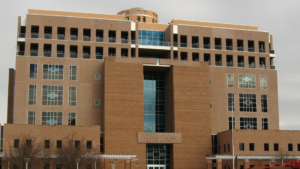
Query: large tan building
column 158, row 94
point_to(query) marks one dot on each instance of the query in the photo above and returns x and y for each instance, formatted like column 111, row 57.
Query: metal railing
column 207, row 46
column 73, row 37
column 154, row 43
column 251, row 65
column 21, row 35
column 229, row 64
column 228, row 47
column 99, row 56
column 195, row 59
column 112, row 40
column 175, row 44
column 261, row 51
column 47, row 53
column 86, row 38
column 61, row 36
column 124, row 54
column 153, row 56
column 34, row 35
column 272, row 67
column 183, row 44
column 73, row 55
column 240, row 64
column 250, row 49
column 85, row 56
column 111, row 54
column 183, row 58
column 124, row 40
column 218, row 47
column 175, row 58
column 262, row 66
column 218, row 63
column 33, row 53
column 207, row 61
column 272, row 51
column 132, row 41
column 195, row 45
column 240, row 48
column 99, row 39
column 21, row 53
column 47, row 36
column 60, row 55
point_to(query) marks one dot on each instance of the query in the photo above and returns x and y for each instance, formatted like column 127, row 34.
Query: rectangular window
column 266, row 146
column 264, row 103
column 53, row 71
column 46, row 143
column 247, row 81
column 241, row 166
column 242, row 146
column 247, row 102
column 31, row 117
column 33, row 71
column 52, row 95
column 72, row 118
column 290, row 146
column 263, row 82
column 230, row 101
column 58, row 144
column 16, row 143
column 73, row 72
column 230, row 80
column 89, row 144
column 32, row 95
column 251, row 146
column 265, row 125
column 230, row 122
column 298, row 147
column 58, row 166
column 60, row 51
column 248, row 123
column 46, row 166
column 72, row 95
column 228, row 147
column 101, row 142
column 224, row 148
column 51, row 118
column 276, row 147
column 77, row 143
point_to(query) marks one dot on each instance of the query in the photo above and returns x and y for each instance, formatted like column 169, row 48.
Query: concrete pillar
column 246, row 164
column 208, row 164
column 219, row 163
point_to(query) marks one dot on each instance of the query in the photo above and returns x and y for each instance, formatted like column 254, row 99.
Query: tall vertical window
column 73, row 72
column 290, row 146
column 242, row 146
column 33, row 71
column 230, row 80
column 247, row 102
column 32, row 95
column 266, row 146
column 230, row 122
column 31, row 117
column 265, row 125
column 159, row 154
column 51, row 118
column 72, row 118
column 72, row 95
column 264, row 103
column 101, row 142
column 53, row 72
column 247, row 81
column 263, row 82
column 52, row 95
column 154, row 101
column 251, row 146
column 248, row 123
column 230, row 101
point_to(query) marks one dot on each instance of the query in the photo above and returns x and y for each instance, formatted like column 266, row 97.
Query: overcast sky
column 280, row 18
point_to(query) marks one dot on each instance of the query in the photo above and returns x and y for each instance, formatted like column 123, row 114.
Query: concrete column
column 219, row 163
column 246, row 164
column 208, row 164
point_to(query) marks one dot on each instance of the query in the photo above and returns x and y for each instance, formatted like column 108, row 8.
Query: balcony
column 86, row 38
column 60, row 36
column 124, row 55
column 112, row 40
column 73, row 37
column 99, row 56
column 183, row 44
column 132, row 41
column 47, row 53
column 175, row 44
column 272, row 51
column 47, row 36
column 250, row 49
column 99, row 39
column 124, row 40
column 218, row 63
column 73, row 55
column 240, row 64
column 261, row 51
column 20, row 53
column 111, row 54
column 272, row 67
column 86, row 56
column 207, row 46
column 228, row 47
column 262, row 66
column 34, row 35
column 33, row 53
column 229, row 64
column 60, row 55
column 154, row 43
column 21, row 35
column 195, row 45
column 251, row 65
column 240, row 48
column 219, row 47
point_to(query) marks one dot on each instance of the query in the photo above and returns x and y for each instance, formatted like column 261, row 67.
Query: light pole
column 232, row 129
column 26, row 160
column 77, row 161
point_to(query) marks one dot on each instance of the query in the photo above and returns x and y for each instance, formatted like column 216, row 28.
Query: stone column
column 219, row 163
column 208, row 164
column 246, row 164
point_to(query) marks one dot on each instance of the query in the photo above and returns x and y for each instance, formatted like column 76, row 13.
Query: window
column 61, row 33
column 241, row 166
column 34, row 31
column 99, row 53
column 240, row 61
column 72, row 118
column 111, row 51
column 229, row 60
column 228, row 147
column 250, row 46
column 218, row 60
column 46, row 143
column 124, row 52
column 60, row 51
column 138, row 12
column 88, row 144
column 33, row 71
column 58, row 166
column 264, row 103
column 230, row 122
column 73, row 72
column 53, row 72
column 138, row 18
column 99, row 35
column 73, row 51
column 16, row 143
column 247, row 81
column 251, row 61
column 247, row 102
column 101, row 142
column 230, row 80
column 48, row 32
column 73, row 34
column 276, row 146
column 290, row 146
column 77, row 143
column 34, row 49
column 207, row 58
column 112, row 36
column 47, row 50
column 298, row 147
column 230, row 101
column 97, row 102
column 97, row 76
column 149, row 37
column 86, row 52
column 28, row 143
column 242, row 146
column 32, row 95
column 31, row 117
column 224, row 148
column 86, row 34
column 72, row 95
column 58, row 144
column 264, row 124
column 248, row 123
column 46, row 166
column 195, row 56
column 183, row 56
column 263, row 82
column 251, row 146
column 218, row 43
column 51, row 118
column 52, row 95
column 266, row 147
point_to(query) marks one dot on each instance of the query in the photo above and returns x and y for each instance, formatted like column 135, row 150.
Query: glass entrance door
column 156, row 167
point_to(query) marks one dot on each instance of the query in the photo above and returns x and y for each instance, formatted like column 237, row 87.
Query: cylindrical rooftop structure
column 140, row 15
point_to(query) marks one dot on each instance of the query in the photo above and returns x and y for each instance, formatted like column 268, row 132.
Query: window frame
column 49, row 75
column 264, row 122
column 57, row 147
column 35, row 71
column 230, row 107
column 53, row 117
column 16, row 143
column 242, row 146
column 89, row 144
column 72, row 92
column 230, row 80
column 32, row 99
column 263, row 82
column 266, row 147
column 72, row 75
column 52, row 89
column 264, row 99
column 230, row 123
column 290, row 147
column 33, row 116
column 46, row 144
column 247, row 84
column 245, row 97
column 249, row 120
column 276, row 147
column 70, row 118
column 250, row 144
